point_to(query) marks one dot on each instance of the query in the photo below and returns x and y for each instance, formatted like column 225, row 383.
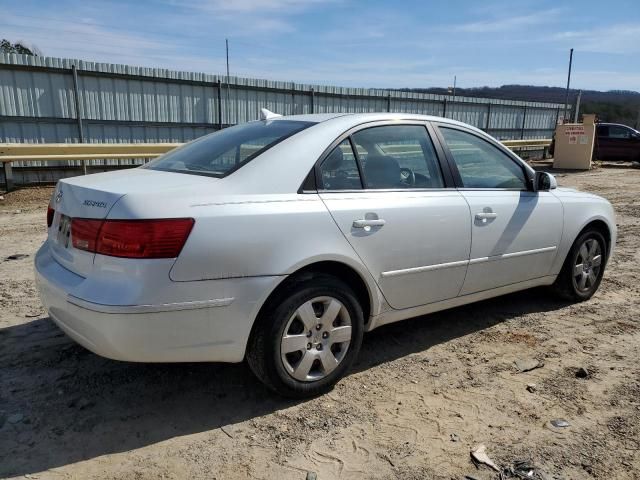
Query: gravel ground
column 424, row 393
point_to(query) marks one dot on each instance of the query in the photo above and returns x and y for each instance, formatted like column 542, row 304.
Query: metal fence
column 53, row 100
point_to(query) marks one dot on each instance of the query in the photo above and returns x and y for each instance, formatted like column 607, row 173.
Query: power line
column 92, row 34
column 114, row 27
column 256, row 47
column 151, row 45
column 48, row 37
column 146, row 30
column 114, row 53
column 103, row 25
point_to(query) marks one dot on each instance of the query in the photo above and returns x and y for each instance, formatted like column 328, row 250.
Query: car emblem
column 59, row 196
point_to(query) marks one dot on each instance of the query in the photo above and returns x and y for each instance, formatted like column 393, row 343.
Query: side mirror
column 544, row 181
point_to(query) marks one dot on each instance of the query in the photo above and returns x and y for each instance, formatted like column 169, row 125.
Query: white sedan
column 283, row 240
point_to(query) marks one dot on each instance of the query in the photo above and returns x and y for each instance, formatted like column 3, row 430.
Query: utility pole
column 451, row 91
column 226, row 42
column 76, row 91
column 566, row 100
column 577, row 112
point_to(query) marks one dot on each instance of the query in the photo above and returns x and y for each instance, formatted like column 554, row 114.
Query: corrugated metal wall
column 122, row 103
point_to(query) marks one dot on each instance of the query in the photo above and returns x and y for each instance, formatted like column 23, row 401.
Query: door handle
column 486, row 215
column 364, row 223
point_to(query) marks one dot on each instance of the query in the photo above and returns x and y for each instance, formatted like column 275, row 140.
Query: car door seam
column 562, row 233
column 375, row 282
column 470, row 220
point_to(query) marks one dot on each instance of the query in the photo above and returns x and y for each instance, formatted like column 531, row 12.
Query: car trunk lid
column 93, row 196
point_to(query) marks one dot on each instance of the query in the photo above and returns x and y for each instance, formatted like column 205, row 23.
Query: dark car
column 617, row 142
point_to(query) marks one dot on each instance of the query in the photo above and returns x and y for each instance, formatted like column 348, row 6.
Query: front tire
column 583, row 268
column 307, row 337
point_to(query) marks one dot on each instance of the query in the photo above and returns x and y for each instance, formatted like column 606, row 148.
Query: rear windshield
column 220, row 153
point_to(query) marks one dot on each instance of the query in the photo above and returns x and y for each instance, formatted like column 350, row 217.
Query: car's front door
column 605, row 148
column 515, row 231
column 390, row 200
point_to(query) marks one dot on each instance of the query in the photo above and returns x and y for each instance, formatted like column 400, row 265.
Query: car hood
column 566, row 192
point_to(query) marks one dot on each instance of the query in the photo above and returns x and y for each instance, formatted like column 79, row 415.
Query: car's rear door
column 623, row 142
column 515, row 231
column 385, row 189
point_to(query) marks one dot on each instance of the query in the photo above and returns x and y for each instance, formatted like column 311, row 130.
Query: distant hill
column 620, row 106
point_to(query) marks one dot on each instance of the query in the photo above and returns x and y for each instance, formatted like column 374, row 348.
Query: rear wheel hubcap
column 316, row 339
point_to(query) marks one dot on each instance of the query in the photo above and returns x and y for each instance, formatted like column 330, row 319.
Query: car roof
column 283, row 167
column 355, row 119
column 608, row 124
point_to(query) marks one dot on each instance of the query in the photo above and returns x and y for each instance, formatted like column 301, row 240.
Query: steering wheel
column 407, row 177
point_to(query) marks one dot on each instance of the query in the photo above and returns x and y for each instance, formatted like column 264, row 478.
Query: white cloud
column 509, row 23
column 80, row 37
column 614, row 39
column 253, row 6
column 243, row 17
column 380, row 48
column 91, row 41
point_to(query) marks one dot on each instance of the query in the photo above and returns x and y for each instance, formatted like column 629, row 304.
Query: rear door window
column 397, row 156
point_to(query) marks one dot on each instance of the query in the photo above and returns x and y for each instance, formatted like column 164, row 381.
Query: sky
column 358, row 43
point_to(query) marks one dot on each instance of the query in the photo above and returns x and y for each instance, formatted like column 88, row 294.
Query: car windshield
column 220, row 153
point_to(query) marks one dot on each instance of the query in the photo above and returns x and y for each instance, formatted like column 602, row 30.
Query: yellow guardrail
column 540, row 143
column 15, row 152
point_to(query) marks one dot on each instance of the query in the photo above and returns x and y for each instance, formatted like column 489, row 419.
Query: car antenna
column 267, row 114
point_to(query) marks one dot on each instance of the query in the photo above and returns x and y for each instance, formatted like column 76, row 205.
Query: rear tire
column 307, row 337
column 583, row 268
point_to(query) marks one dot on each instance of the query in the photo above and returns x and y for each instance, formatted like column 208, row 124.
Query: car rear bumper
column 213, row 328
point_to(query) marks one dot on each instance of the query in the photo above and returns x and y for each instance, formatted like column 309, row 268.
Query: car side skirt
column 391, row 316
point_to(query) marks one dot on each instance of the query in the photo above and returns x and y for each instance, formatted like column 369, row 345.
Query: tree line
column 7, row 47
column 617, row 106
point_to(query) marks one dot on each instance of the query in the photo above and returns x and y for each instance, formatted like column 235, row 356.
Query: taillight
column 144, row 238
column 84, row 233
column 50, row 213
column 161, row 238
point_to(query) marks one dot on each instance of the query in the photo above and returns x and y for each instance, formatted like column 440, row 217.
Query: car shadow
column 621, row 165
column 60, row 404
column 548, row 167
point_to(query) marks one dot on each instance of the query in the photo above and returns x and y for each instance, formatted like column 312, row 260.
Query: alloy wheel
column 587, row 265
column 316, row 339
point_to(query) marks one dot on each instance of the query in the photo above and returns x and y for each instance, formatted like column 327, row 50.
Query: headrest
column 382, row 171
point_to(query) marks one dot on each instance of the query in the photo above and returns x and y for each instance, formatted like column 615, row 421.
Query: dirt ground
column 423, row 394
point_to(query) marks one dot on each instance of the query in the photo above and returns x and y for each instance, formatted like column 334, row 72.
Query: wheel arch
column 598, row 223
column 600, row 226
column 565, row 285
column 367, row 294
